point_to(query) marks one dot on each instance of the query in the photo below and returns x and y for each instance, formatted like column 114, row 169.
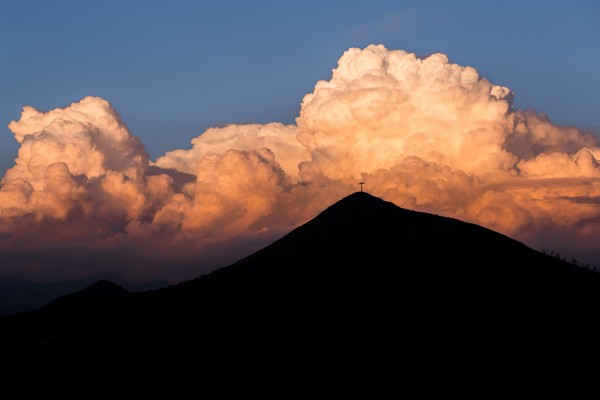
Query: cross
column 361, row 183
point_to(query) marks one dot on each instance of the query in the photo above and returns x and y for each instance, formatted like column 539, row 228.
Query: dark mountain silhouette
column 17, row 295
column 362, row 267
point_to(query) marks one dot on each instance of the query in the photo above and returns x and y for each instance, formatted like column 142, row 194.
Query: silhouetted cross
column 361, row 183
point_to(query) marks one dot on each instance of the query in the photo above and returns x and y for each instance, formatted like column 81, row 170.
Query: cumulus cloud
column 426, row 134
column 279, row 138
column 381, row 106
column 435, row 136
column 231, row 193
column 89, row 137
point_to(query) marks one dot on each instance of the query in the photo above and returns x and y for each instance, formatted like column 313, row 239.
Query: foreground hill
column 363, row 264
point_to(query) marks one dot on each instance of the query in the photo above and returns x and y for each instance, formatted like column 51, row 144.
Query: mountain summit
column 363, row 250
column 361, row 260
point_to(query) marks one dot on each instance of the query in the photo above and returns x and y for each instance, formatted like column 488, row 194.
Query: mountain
column 362, row 265
column 17, row 295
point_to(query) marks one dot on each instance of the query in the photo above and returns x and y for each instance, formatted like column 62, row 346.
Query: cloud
column 434, row 136
column 232, row 192
column 281, row 139
column 381, row 106
column 89, row 137
column 79, row 177
column 426, row 134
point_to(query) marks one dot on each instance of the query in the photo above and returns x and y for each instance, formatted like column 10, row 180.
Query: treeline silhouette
column 573, row 261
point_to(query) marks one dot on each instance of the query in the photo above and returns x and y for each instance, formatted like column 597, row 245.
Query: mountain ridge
column 361, row 261
column 19, row 295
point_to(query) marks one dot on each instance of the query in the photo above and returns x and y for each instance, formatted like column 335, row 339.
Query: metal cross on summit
column 361, row 183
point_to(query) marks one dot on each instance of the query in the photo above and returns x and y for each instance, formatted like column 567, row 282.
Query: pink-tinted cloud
column 424, row 133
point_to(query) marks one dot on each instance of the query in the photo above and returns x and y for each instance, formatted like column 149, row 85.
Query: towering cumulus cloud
column 61, row 153
column 424, row 133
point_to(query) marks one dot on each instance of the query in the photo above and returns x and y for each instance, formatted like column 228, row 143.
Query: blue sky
column 174, row 68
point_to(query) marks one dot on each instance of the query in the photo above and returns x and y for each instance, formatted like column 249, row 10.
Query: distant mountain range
column 17, row 295
column 363, row 268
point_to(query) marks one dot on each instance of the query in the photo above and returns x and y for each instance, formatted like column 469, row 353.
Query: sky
column 172, row 70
